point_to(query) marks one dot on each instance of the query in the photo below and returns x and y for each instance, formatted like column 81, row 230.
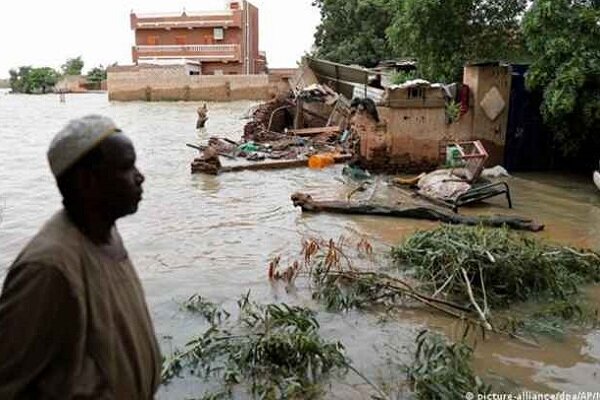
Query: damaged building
column 413, row 123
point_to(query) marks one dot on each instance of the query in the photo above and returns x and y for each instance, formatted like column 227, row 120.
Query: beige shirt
column 74, row 323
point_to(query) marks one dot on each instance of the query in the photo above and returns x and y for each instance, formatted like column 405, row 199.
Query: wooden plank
column 281, row 164
column 299, row 117
column 262, row 165
column 314, row 131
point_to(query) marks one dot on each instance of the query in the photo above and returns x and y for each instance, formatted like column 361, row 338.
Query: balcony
column 201, row 52
column 187, row 20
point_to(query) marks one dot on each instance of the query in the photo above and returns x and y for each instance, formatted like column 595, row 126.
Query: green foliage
column 443, row 35
column 353, row 31
column 443, row 371
column 96, row 75
column 553, row 318
column 73, row 66
column 33, row 80
column 275, row 350
column 465, row 273
column 563, row 37
column 342, row 292
column 502, row 267
column 210, row 311
column 452, row 111
column 400, row 77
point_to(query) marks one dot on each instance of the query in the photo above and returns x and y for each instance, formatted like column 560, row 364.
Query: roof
column 343, row 76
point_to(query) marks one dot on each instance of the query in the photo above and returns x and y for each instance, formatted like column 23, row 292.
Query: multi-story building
column 220, row 42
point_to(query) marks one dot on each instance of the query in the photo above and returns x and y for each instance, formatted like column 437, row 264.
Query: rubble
column 316, row 125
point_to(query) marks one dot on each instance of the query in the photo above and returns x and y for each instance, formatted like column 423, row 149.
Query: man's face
column 119, row 182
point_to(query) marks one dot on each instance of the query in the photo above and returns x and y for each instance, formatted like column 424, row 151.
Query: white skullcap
column 76, row 139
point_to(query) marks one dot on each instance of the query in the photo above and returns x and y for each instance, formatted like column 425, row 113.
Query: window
column 416, row 92
column 218, row 33
column 181, row 40
column 152, row 40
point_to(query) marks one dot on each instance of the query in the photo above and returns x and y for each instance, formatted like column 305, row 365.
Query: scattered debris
column 444, row 184
column 431, row 213
column 208, row 162
column 408, row 181
column 495, row 172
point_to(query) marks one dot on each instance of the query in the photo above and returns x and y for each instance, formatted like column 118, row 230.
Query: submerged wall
column 174, row 83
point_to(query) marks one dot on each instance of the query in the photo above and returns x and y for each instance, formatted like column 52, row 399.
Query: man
column 73, row 319
column 202, row 116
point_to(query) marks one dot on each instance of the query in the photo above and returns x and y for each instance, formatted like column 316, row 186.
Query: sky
column 46, row 33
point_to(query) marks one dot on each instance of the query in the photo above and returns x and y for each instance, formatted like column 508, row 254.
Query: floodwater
column 215, row 235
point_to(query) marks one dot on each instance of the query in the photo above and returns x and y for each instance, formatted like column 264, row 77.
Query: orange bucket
column 321, row 161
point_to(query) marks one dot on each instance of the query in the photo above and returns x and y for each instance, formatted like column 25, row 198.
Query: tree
column 73, row 66
column 96, row 75
column 563, row 37
column 444, row 34
column 353, row 31
column 42, row 79
column 16, row 81
column 33, row 80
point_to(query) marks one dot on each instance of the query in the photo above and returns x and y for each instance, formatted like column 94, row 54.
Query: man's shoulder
column 57, row 244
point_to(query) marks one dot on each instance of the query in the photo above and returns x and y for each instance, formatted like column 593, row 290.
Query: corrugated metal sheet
column 341, row 78
column 372, row 93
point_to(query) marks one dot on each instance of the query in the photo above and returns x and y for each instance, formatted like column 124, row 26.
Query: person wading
column 73, row 319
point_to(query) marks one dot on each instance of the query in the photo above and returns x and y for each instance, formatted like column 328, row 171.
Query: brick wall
column 232, row 68
column 172, row 83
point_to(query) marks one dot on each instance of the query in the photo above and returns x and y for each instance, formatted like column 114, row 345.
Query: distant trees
column 27, row 79
column 96, row 75
column 33, row 80
column 73, row 66
column 563, row 37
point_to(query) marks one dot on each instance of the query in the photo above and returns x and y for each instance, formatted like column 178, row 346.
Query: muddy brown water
column 216, row 235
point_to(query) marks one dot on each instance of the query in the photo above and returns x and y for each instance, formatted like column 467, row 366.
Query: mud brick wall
column 173, row 83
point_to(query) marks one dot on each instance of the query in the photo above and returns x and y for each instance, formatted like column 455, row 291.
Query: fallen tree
column 430, row 213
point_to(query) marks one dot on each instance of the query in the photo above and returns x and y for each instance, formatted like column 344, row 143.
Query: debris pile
column 269, row 121
column 287, row 132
